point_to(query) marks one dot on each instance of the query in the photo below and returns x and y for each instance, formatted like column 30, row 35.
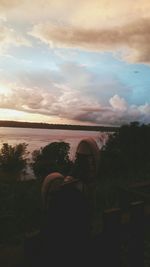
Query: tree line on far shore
column 37, row 125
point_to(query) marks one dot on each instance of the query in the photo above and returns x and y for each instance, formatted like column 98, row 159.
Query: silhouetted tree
column 51, row 158
column 13, row 158
column 127, row 153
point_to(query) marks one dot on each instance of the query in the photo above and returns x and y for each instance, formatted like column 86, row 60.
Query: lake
column 37, row 138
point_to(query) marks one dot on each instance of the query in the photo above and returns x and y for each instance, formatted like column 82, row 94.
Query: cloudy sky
column 79, row 62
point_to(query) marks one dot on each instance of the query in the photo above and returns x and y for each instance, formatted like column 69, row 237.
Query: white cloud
column 105, row 25
column 67, row 103
column 116, row 114
column 118, row 103
column 9, row 38
column 78, row 13
column 62, row 101
column 71, row 92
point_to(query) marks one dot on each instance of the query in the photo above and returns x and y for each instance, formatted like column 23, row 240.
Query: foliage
column 127, row 153
column 13, row 158
column 53, row 157
column 20, row 209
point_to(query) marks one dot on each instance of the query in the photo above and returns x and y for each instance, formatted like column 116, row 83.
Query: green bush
column 52, row 158
column 13, row 158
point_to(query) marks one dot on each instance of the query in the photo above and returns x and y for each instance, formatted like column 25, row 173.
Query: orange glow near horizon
column 15, row 115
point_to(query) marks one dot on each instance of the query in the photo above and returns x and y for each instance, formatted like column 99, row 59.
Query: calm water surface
column 37, row 138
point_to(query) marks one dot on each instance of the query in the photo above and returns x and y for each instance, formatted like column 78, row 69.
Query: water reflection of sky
column 36, row 138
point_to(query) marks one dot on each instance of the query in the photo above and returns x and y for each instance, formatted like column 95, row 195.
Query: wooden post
column 136, row 235
column 112, row 244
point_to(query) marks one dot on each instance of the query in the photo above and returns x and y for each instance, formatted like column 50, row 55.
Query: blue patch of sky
column 40, row 56
column 137, row 78
column 134, row 78
column 32, row 60
column 97, row 61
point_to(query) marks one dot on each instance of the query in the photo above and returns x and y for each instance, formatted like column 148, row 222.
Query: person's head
column 87, row 160
column 55, row 182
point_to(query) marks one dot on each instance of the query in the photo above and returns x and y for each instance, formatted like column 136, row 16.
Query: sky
column 75, row 62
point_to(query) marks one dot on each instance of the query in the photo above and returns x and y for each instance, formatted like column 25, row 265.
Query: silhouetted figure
column 65, row 232
column 86, row 170
column 69, row 206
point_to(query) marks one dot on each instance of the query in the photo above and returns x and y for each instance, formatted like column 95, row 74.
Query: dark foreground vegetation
column 124, row 163
column 124, row 160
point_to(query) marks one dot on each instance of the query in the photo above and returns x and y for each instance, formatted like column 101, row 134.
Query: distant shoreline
column 36, row 125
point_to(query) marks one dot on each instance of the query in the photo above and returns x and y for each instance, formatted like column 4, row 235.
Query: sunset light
column 4, row 89
column 86, row 62
column 74, row 133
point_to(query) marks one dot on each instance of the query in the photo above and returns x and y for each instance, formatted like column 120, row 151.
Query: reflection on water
column 36, row 138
